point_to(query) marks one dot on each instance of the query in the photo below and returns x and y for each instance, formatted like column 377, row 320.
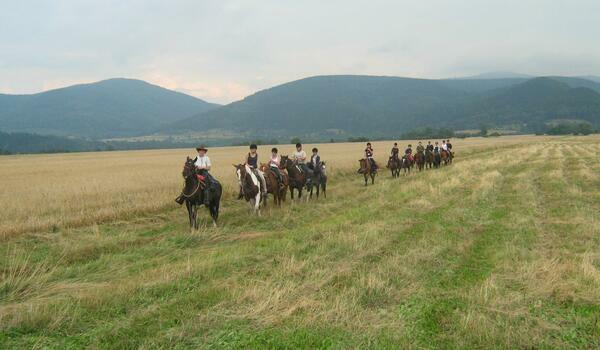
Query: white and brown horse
column 250, row 186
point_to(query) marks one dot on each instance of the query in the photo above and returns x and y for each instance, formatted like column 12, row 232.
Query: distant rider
column 420, row 148
column 300, row 158
column 252, row 161
column 274, row 163
column 395, row 151
column 369, row 156
column 408, row 153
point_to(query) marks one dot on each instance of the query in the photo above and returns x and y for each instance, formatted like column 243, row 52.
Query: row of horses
column 422, row 160
column 293, row 179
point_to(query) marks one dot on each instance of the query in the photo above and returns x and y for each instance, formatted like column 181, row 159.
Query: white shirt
column 444, row 147
column 202, row 162
column 300, row 156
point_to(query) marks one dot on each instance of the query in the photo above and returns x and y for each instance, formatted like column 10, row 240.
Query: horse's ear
column 233, row 165
column 188, row 157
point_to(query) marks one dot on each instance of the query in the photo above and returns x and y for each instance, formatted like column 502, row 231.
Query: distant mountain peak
column 497, row 75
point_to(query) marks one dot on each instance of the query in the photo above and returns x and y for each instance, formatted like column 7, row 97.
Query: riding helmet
column 201, row 148
column 253, row 146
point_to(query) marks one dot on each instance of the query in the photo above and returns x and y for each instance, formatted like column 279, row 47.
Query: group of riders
column 302, row 162
column 430, row 149
column 299, row 158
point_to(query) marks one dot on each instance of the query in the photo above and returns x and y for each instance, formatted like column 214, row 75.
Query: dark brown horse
column 406, row 164
column 437, row 159
column 420, row 160
column 318, row 180
column 445, row 157
column 394, row 165
column 296, row 178
column 193, row 193
column 249, row 186
column 428, row 159
column 367, row 170
column 278, row 190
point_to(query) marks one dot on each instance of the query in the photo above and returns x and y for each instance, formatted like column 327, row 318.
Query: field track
column 499, row 250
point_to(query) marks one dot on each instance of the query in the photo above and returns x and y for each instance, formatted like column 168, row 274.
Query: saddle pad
column 200, row 178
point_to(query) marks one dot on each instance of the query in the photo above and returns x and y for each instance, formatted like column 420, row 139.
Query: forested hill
column 109, row 108
column 341, row 106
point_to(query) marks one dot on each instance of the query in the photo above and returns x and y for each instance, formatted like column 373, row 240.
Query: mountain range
column 108, row 108
column 316, row 108
column 338, row 107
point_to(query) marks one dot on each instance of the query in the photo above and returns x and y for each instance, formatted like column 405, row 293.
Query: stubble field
column 499, row 250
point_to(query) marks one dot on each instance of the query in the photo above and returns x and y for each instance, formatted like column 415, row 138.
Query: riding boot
column 180, row 199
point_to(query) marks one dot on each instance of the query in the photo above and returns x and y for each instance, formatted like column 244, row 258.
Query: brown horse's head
column 285, row 161
column 189, row 168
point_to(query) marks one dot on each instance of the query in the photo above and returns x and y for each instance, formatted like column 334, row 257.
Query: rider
column 395, row 151
column 444, row 146
column 300, row 158
column 252, row 161
column 436, row 149
column 420, row 148
column 429, row 146
column 274, row 163
column 449, row 146
column 369, row 156
column 315, row 160
column 408, row 153
column 202, row 163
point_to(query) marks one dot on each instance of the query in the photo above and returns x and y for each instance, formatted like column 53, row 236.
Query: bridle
column 187, row 166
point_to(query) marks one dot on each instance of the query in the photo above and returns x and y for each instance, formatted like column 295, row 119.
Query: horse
column 406, row 164
column 273, row 186
column 437, row 159
column 445, row 156
column 297, row 178
column 420, row 160
column 367, row 170
column 193, row 194
column 428, row 159
column 318, row 180
column 394, row 165
column 249, row 186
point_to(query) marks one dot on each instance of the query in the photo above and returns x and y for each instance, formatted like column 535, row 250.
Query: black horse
column 318, row 180
column 194, row 190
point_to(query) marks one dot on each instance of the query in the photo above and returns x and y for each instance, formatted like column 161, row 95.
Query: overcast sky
column 224, row 50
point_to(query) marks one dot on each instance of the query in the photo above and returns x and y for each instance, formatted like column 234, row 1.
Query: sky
column 224, row 50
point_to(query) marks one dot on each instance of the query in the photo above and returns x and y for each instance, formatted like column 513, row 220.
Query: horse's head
column 285, row 161
column 189, row 168
column 240, row 171
column 263, row 167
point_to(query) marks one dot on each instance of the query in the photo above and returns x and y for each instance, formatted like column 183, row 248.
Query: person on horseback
column 300, row 158
column 449, row 146
column 420, row 148
column 252, row 161
column 395, row 151
column 274, row 163
column 203, row 165
column 429, row 147
column 408, row 153
column 369, row 156
column 315, row 160
column 436, row 149
column 444, row 146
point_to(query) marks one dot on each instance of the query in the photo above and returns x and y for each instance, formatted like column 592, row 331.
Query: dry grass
column 41, row 192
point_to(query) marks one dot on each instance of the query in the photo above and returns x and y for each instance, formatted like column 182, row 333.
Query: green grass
column 499, row 250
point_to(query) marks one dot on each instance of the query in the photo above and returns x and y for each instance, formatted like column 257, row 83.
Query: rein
column 193, row 192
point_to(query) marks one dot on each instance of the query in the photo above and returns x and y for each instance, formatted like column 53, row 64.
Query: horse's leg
column 188, row 205
column 324, row 189
column 366, row 178
column 195, row 208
